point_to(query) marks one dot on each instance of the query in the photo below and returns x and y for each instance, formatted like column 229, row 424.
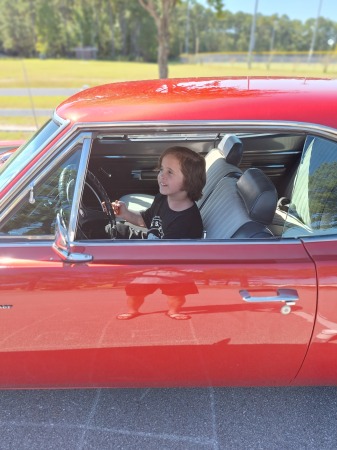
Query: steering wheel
column 87, row 214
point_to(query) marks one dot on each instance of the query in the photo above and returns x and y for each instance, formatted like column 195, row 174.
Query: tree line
column 125, row 30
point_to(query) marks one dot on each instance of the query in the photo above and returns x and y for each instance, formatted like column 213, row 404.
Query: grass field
column 75, row 73
column 30, row 73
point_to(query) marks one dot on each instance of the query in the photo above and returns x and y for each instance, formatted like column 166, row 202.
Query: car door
column 315, row 201
column 320, row 364
column 60, row 327
column 250, row 304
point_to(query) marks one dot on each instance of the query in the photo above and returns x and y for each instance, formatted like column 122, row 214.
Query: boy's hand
column 119, row 207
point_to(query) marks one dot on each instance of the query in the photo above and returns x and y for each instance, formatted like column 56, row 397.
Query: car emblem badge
column 6, row 306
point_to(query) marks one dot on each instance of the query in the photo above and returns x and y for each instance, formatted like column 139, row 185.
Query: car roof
column 238, row 98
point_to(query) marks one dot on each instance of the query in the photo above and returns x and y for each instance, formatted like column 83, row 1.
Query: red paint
column 62, row 329
column 207, row 99
column 321, row 361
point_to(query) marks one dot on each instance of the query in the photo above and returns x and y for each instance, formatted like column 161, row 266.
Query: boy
column 172, row 215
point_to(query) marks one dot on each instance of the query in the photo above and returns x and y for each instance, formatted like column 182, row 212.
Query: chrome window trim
column 20, row 241
column 59, row 120
column 188, row 137
column 202, row 126
column 181, row 242
column 82, row 168
column 318, row 238
column 88, row 129
column 46, row 241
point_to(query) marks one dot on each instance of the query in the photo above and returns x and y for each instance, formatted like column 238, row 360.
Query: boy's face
column 170, row 177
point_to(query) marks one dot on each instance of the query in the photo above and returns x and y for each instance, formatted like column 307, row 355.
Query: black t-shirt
column 164, row 223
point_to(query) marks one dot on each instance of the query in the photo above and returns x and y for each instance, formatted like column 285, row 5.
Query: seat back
column 240, row 208
column 220, row 162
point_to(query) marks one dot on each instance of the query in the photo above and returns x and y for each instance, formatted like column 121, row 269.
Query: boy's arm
column 134, row 217
column 122, row 211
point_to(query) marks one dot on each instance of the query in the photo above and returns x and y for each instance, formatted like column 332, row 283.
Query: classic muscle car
column 264, row 305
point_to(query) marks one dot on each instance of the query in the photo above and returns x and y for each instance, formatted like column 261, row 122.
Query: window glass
column 313, row 206
column 26, row 152
column 36, row 215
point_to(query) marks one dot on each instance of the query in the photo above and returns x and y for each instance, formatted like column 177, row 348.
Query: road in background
column 37, row 112
column 24, row 92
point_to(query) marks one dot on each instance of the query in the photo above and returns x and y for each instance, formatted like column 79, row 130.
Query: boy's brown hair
column 193, row 167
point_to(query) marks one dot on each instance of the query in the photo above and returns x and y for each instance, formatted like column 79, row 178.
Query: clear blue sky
column 295, row 9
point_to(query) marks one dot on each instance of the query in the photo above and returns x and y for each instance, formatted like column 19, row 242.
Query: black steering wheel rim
column 65, row 187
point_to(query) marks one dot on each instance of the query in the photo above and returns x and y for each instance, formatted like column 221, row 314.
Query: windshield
column 26, row 152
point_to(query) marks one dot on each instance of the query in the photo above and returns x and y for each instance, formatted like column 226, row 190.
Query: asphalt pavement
column 177, row 419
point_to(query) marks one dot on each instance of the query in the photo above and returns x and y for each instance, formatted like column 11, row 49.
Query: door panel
column 61, row 327
column 320, row 363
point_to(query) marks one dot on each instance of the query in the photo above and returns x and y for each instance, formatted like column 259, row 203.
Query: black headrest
column 231, row 147
column 259, row 195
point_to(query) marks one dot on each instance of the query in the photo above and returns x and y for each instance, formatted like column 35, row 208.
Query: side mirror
column 62, row 247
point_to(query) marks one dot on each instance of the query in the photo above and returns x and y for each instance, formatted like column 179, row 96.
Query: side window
column 36, row 215
column 313, row 207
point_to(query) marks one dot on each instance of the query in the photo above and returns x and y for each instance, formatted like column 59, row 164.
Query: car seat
column 240, row 208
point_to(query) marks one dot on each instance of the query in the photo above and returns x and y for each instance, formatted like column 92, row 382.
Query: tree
column 17, row 27
column 160, row 10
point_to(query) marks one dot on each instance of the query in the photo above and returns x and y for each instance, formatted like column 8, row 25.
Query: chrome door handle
column 287, row 296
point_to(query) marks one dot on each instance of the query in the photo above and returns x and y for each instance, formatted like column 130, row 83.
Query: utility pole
column 252, row 36
column 314, row 34
column 187, row 28
column 271, row 48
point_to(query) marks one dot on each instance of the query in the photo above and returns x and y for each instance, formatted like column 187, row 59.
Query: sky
column 295, row 9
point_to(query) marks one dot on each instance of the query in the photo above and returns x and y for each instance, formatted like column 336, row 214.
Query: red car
column 263, row 304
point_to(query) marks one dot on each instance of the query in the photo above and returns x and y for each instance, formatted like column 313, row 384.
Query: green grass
column 15, row 135
column 25, row 102
column 30, row 73
column 76, row 74
column 70, row 73
column 26, row 126
column 23, row 120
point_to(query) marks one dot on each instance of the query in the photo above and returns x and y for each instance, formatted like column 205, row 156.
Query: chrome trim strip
column 46, row 241
column 82, row 168
column 204, row 125
column 58, row 119
column 318, row 238
column 288, row 296
column 181, row 242
column 6, row 242
column 273, row 152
